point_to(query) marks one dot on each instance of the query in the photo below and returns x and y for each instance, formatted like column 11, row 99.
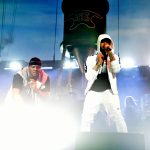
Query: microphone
column 108, row 49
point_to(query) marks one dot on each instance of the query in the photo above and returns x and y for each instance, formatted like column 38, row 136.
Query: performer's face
column 105, row 43
column 34, row 70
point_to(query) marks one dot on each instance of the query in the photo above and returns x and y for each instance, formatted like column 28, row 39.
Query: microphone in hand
column 108, row 49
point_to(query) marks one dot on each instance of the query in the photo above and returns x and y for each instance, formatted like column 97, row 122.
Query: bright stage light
column 127, row 63
column 68, row 64
column 14, row 66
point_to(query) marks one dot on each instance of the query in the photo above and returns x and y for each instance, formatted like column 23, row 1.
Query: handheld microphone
column 108, row 49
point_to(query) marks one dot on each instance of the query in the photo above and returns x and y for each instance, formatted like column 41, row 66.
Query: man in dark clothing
column 31, row 83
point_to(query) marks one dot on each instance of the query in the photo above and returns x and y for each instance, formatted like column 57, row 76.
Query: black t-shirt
column 18, row 83
column 101, row 83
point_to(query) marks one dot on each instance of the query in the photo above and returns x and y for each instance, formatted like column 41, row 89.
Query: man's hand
column 111, row 55
column 32, row 84
column 100, row 59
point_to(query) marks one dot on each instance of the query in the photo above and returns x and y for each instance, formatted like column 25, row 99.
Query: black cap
column 106, row 40
column 35, row 61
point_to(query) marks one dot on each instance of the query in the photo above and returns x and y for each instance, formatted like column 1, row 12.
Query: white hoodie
column 113, row 67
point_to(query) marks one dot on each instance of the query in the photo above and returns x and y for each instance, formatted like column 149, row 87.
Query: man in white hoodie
column 101, row 90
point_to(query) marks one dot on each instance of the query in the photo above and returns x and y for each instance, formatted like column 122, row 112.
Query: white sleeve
column 90, row 73
column 115, row 65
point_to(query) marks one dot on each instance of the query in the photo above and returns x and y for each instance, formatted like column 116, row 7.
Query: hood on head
column 100, row 38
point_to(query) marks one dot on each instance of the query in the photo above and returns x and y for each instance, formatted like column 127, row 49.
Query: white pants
column 94, row 101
